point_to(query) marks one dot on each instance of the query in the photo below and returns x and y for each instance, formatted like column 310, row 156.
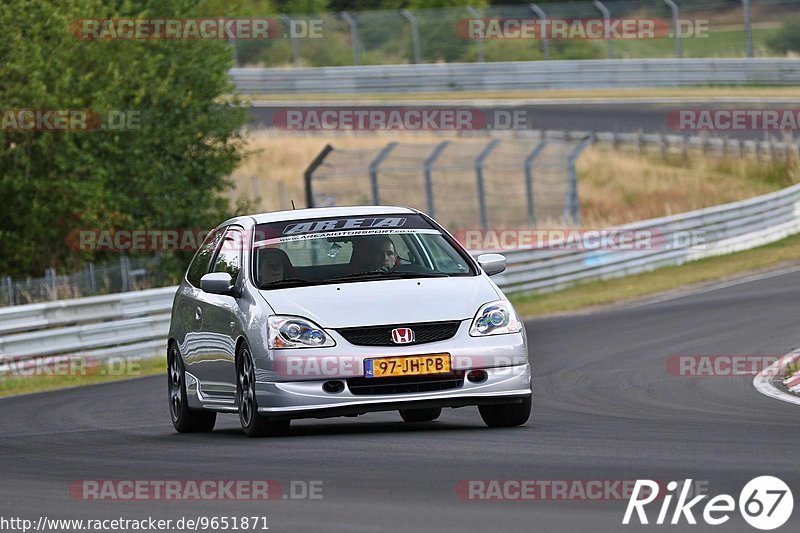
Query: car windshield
column 345, row 249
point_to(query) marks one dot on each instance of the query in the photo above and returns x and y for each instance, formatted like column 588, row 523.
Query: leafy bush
column 169, row 173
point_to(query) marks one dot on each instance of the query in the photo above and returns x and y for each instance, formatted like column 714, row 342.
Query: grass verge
column 665, row 279
column 65, row 373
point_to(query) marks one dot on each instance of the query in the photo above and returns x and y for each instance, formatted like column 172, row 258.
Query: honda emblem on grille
column 403, row 335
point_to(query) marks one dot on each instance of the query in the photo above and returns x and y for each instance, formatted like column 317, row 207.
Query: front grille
column 382, row 335
column 404, row 384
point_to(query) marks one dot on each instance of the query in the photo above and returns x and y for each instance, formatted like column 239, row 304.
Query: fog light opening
column 333, row 386
column 476, row 376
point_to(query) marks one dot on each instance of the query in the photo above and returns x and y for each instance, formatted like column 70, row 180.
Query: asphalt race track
column 598, row 116
column 605, row 408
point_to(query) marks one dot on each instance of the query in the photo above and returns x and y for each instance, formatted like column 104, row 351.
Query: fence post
column 309, row 173
column 9, row 290
column 293, row 39
column 479, row 41
column 539, row 12
column 748, row 28
column 573, row 209
column 685, row 149
column 529, row 181
column 373, row 171
column 676, row 25
column 431, row 159
column 479, row 177
column 50, row 281
column 356, row 43
column 412, row 20
column 607, row 18
column 125, row 273
column 92, row 281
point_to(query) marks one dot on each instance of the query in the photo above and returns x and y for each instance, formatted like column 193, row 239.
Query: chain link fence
column 465, row 183
column 701, row 28
column 125, row 275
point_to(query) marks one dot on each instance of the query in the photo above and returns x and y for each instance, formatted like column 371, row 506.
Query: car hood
column 385, row 302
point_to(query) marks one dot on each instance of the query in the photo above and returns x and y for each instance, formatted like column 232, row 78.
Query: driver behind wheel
column 381, row 255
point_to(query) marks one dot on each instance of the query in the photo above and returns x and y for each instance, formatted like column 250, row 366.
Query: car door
column 189, row 304
column 221, row 315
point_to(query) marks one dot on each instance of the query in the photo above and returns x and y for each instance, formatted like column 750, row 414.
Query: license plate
column 412, row 365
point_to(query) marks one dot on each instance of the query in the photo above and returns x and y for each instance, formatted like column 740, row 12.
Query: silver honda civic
column 342, row 311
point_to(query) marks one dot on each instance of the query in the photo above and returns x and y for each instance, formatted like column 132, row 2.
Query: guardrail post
column 479, row 41
column 373, row 171
column 640, row 141
column 572, row 209
column 539, row 12
column 676, row 24
column 9, row 290
column 529, row 181
column 412, row 20
column 428, row 166
column 308, row 175
column 748, row 28
column 293, row 39
column 607, row 19
column 479, row 177
column 664, row 146
column 354, row 40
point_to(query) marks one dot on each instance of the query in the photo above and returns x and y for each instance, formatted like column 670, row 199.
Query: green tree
column 169, row 172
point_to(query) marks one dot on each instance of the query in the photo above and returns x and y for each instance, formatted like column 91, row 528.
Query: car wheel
column 506, row 415
column 253, row 424
column 184, row 419
column 421, row 415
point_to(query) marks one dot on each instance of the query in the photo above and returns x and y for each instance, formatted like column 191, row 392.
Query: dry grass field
column 614, row 186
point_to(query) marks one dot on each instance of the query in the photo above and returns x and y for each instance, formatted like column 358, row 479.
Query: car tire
column 184, row 419
column 506, row 415
column 421, row 415
column 253, row 424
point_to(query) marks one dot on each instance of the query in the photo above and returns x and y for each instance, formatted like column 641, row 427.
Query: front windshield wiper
column 389, row 275
column 288, row 281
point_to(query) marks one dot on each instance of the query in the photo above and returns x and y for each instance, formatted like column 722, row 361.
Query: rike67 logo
column 765, row 503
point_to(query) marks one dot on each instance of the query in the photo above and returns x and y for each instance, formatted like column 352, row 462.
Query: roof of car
column 325, row 212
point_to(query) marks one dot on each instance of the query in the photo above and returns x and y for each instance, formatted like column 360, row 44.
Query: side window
column 199, row 265
column 229, row 258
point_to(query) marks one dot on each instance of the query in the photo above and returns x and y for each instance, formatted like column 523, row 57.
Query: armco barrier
column 517, row 75
column 136, row 323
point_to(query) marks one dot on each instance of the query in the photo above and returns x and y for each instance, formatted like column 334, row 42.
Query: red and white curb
column 771, row 382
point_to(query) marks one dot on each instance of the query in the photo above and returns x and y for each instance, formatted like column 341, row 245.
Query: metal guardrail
column 517, row 75
column 136, row 324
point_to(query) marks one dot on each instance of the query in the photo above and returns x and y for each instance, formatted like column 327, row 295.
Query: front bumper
column 307, row 399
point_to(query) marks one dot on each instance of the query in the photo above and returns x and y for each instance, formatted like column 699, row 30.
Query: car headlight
column 495, row 318
column 294, row 332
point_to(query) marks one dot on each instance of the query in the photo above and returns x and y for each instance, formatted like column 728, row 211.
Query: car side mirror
column 492, row 263
column 217, row 283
